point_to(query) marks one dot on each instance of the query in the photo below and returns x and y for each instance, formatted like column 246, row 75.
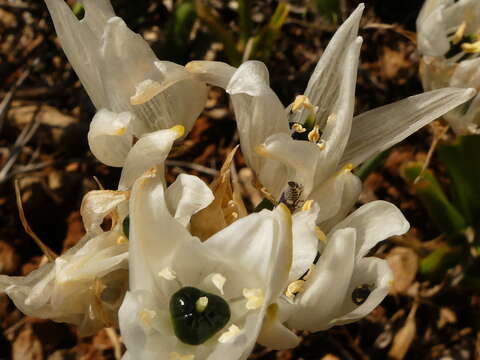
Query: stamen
column 320, row 234
column 122, row 239
column 167, row 274
column 459, row 33
column 298, row 128
column 307, row 205
column 314, row 135
column 309, row 272
column 295, row 288
column 229, row 335
column 177, row 356
column 145, row 91
column 321, row 144
column 201, row 304
column 471, row 48
column 254, row 298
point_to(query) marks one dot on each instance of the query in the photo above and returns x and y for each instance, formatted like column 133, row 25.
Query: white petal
column 127, row 62
column 274, row 334
column 432, row 31
column 374, row 222
column 378, row 129
column 109, row 137
column 261, row 242
column 96, row 205
column 336, row 196
column 186, row 196
column 338, row 126
column 301, row 159
column 97, row 12
column 323, row 88
column 370, row 271
column 305, row 242
column 328, row 284
column 259, row 114
column 80, row 44
column 212, row 72
column 154, row 235
column 150, row 151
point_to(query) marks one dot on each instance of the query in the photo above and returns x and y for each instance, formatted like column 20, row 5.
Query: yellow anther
column 295, row 288
column 320, row 234
column 121, row 131
column 145, row 91
column 179, row 130
column 321, row 145
column 347, row 168
column 254, row 298
column 307, row 205
column 122, row 240
column 298, row 128
column 471, row 48
column 201, row 304
column 314, row 135
column 167, row 274
column 459, row 33
column 300, row 102
column 232, row 332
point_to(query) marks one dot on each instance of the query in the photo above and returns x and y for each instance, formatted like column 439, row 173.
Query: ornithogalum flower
column 449, row 42
column 190, row 299
column 85, row 286
column 307, row 150
column 133, row 91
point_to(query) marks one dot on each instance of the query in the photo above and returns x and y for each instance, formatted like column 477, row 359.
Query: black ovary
column 193, row 327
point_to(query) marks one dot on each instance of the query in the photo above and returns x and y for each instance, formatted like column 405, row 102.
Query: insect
column 292, row 196
column 360, row 294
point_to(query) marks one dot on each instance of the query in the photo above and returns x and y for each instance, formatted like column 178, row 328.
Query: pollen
column 471, row 48
column 321, row 144
column 459, row 33
column 201, row 304
column 295, row 288
column 298, row 128
column 122, row 239
column 320, row 234
column 314, row 135
column 167, row 274
column 145, row 91
column 121, row 131
column 255, row 298
column 229, row 335
column 307, row 205
column 177, row 356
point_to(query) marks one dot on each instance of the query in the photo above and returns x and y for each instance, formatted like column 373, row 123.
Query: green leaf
column 220, row 31
column 178, row 32
column 245, row 21
column 445, row 216
column 262, row 44
column 462, row 160
column 439, row 261
column 371, row 165
column 329, row 9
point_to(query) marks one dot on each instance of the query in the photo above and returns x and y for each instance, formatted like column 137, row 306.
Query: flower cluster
column 187, row 292
column 449, row 42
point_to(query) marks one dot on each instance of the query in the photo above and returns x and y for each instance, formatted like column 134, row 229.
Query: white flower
column 449, row 42
column 325, row 141
column 133, row 91
column 343, row 285
column 85, row 286
column 199, row 300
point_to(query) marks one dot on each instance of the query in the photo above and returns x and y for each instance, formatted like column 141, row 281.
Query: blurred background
column 44, row 120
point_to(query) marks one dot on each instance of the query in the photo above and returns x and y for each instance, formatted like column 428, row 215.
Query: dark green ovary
column 191, row 326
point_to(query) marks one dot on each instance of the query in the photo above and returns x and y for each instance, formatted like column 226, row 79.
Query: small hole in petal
column 360, row 294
